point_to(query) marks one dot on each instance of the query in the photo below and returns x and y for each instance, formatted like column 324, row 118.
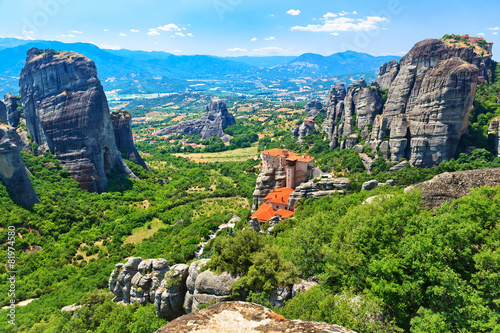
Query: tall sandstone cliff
column 429, row 100
column 12, row 170
column 67, row 114
column 213, row 122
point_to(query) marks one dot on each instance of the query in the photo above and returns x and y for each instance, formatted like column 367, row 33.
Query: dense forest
column 387, row 266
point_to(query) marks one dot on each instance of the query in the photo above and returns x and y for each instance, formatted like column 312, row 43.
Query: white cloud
column 28, row 32
column 180, row 34
column 334, row 33
column 76, row 32
column 106, row 30
column 480, row 34
column 271, row 50
column 355, row 13
column 169, row 27
column 495, row 33
column 190, row 35
column 67, row 36
column 343, row 24
column 236, row 49
column 293, row 12
column 122, row 34
column 134, row 30
column 153, row 32
column 253, row 39
column 328, row 15
column 270, row 38
column 495, row 28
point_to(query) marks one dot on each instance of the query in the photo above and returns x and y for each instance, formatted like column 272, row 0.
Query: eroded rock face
column 124, row 137
column 264, row 185
column 12, row 169
column 214, row 121
column 3, row 113
column 453, row 185
column 11, row 106
column 169, row 298
column 244, row 317
column 67, row 114
column 429, row 100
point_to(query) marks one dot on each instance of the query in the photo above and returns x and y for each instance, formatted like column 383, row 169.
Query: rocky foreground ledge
column 243, row 317
column 449, row 186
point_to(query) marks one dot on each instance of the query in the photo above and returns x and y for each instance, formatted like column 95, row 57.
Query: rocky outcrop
column 387, row 73
column 369, row 185
column 244, row 317
column 449, row 186
column 11, row 103
column 174, row 290
column 122, row 124
column 214, row 121
column 137, row 280
column 494, row 130
column 319, row 189
column 67, row 114
column 429, row 100
column 12, row 169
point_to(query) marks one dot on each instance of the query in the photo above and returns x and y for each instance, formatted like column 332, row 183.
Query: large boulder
column 213, row 122
column 453, row 185
column 243, row 317
column 122, row 124
column 67, row 114
column 12, row 169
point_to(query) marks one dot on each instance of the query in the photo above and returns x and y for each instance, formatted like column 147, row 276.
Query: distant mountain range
column 154, row 72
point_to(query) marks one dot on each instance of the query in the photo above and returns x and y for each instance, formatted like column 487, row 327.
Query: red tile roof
column 276, row 152
column 280, row 195
column 264, row 213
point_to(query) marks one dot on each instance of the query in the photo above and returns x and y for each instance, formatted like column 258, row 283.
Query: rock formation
column 453, row 185
column 243, row 317
column 428, row 104
column 494, row 129
column 124, row 137
column 3, row 113
column 67, row 114
column 12, row 170
column 214, row 121
column 12, row 114
column 173, row 290
column 319, row 189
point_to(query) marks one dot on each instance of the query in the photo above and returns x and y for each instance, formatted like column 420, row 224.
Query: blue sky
column 250, row 27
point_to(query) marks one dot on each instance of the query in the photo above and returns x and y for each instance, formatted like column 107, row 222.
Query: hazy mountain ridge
column 150, row 72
